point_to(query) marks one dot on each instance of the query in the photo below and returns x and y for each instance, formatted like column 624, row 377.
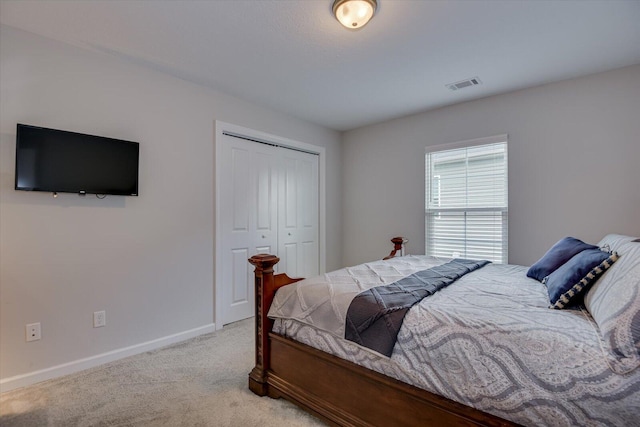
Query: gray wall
column 147, row 260
column 574, row 151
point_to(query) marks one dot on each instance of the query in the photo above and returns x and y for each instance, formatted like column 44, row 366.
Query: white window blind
column 466, row 203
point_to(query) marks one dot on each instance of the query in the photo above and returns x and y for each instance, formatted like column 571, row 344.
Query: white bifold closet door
column 298, row 213
column 269, row 204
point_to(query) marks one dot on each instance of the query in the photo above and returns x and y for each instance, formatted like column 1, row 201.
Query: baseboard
column 18, row 381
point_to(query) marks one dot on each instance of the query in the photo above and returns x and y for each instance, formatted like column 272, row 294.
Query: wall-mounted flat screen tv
column 58, row 161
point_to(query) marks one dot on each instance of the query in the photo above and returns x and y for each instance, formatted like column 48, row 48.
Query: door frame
column 260, row 137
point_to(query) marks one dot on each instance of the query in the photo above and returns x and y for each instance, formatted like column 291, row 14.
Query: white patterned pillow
column 614, row 303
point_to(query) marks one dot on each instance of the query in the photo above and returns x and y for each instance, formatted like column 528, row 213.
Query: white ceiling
column 294, row 57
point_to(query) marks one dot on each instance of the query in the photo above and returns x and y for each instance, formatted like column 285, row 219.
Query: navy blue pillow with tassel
column 559, row 254
column 570, row 281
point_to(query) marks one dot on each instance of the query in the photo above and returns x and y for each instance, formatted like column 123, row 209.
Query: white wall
column 147, row 260
column 574, row 153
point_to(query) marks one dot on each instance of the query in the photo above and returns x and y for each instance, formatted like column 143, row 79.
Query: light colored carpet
column 200, row 382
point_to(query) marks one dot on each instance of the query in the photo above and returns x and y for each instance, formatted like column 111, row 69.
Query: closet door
column 298, row 246
column 267, row 202
column 248, row 220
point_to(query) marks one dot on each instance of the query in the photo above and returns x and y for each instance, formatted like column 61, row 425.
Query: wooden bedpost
column 266, row 286
column 265, row 291
column 397, row 246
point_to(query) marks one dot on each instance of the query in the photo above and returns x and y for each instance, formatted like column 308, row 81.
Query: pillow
column 559, row 253
column 569, row 281
column 612, row 242
column 614, row 305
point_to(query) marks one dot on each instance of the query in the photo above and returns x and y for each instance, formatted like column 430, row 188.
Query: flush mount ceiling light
column 354, row 13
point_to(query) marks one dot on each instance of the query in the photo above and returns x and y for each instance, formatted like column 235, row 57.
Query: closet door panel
column 248, row 221
column 240, row 289
column 241, row 189
column 268, row 204
column 298, row 227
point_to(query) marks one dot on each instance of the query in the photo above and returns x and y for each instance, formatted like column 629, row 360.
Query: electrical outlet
column 33, row 332
column 99, row 319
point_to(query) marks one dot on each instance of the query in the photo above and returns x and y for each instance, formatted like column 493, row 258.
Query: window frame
column 496, row 139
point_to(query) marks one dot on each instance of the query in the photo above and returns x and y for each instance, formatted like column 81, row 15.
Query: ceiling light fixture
column 354, row 13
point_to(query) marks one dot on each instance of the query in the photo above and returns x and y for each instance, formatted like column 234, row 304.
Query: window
column 466, row 203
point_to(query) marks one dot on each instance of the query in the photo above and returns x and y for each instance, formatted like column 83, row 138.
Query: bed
column 486, row 349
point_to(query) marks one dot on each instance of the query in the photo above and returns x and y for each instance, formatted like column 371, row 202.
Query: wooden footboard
column 338, row 391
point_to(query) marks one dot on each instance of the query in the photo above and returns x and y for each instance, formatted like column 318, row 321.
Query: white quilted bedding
column 488, row 341
column 323, row 301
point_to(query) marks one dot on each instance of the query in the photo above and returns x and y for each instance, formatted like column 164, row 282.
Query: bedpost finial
column 263, row 261
column 397, row 246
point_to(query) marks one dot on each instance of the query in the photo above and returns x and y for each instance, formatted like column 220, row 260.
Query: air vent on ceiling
column 474, row 81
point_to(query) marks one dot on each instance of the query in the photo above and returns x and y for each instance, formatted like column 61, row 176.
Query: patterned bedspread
column 488, row 341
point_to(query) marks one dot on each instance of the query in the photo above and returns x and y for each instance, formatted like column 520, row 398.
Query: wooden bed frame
column 340, row 392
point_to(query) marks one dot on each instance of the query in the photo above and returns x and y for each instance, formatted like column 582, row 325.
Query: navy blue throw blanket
column 375, row 316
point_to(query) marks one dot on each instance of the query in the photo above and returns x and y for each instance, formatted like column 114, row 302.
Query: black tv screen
column 68, row 162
